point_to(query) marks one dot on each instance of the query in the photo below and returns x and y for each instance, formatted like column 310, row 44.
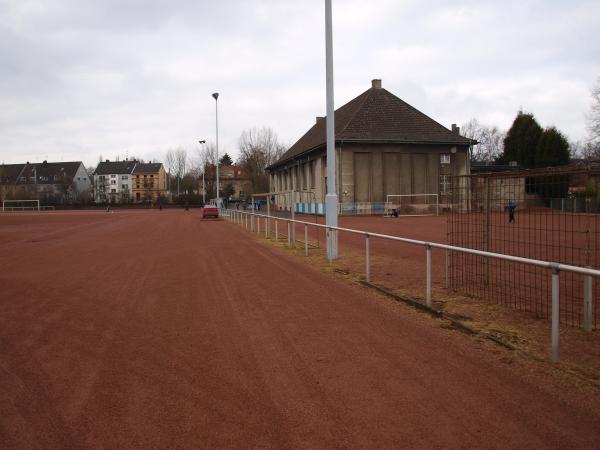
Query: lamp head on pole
column 216, row 95
column 201, row 142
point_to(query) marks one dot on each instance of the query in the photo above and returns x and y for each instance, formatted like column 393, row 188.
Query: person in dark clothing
column 510, row 207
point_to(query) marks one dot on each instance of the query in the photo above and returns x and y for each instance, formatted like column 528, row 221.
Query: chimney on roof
column 455, row 129
column 376, row 83
column 108, row 160
column 319, row 118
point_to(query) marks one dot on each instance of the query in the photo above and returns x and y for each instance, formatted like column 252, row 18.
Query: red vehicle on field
column 210, row 211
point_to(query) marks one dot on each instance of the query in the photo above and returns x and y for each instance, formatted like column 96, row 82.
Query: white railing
column 241, row 218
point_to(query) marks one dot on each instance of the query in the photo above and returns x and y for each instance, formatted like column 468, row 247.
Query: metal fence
column 252, row 221
column 543, row 214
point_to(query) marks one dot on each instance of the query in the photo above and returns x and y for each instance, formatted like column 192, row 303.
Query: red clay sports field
column 156, row 329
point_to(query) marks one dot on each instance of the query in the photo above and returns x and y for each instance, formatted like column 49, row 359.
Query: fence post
column 276, row 231
column 266, row 229
column 555, row 312
column 258, row 225
column 246, row 216
column 252, row 222
column 289, row 233
column 367, row 259
column 587, row 303
column 447, row 280
column 305, row 240
column 486, row 231
column 428, row 295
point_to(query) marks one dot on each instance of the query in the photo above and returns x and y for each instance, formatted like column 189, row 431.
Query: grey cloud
column 81, row 78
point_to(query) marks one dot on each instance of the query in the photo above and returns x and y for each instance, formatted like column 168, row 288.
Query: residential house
column 51, row 182
column 113, row 181
column 234, row 184
column 149, row 183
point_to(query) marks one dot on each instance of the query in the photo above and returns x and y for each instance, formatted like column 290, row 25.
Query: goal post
column 412, row 204
column 20, row 205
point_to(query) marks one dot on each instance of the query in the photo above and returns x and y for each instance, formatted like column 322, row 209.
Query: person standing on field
column 510, row 207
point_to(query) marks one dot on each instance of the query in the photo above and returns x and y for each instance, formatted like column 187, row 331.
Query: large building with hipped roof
column 383, row 146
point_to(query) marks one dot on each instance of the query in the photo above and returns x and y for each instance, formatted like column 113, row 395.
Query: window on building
column 444, row 184
column 124, row 177
column 123, row 186
column 445, row 158
column 113, row 176
column 78, row 178
column 113, row 190
column 113, row 181
column 101, row 177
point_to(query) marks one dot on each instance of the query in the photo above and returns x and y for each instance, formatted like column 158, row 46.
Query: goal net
column 21, row 205
column 412, row 205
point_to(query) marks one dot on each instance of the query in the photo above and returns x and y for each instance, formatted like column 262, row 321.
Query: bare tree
column 593, row 119
column 205, row 162
column 490, row 141
column 259, row 148
column 177, row 163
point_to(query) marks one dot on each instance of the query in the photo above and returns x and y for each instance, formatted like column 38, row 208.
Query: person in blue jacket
column 510, row 207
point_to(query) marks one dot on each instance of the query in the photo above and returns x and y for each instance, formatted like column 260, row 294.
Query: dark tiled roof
column 376, row 115
column 147, row 167
column 10, row 172
column 50, row 173
column 114, row 167
column 588, row 167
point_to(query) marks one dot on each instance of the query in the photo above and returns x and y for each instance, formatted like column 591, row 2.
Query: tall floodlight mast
column 331, row 199
column 216, row 97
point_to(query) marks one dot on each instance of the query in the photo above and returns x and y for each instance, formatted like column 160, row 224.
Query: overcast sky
column 83, row 78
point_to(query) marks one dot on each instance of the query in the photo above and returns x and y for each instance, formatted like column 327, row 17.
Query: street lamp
column 216, row 97
column 203, row 170
column 331, row 199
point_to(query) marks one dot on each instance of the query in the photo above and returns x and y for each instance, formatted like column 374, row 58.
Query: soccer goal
column 21, row 205
column 412, row 204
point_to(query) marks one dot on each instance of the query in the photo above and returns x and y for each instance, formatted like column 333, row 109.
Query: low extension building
column 383, row 146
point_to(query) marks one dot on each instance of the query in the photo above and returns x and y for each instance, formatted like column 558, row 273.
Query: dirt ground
column 157, row 329
column 401, row 268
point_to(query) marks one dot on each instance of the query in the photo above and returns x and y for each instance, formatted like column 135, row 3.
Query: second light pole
column 203, row 170
column 216, row 97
